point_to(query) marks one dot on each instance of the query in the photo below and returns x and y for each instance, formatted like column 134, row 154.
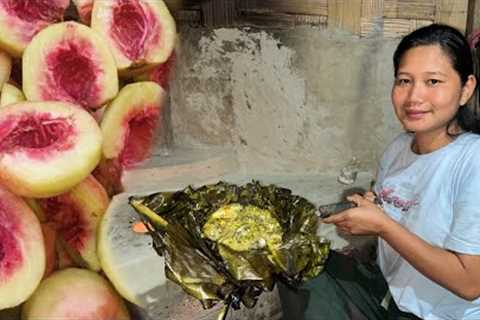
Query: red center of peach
column 32, row 11
column 140, row 132
column 10, row 253
column 131, row 28
column 37, row 131
column 67, row 219
column 73, row 72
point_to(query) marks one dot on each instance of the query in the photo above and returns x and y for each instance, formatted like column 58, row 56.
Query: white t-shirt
column 437, row 197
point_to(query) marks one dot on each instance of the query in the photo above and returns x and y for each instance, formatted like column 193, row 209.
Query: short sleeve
column 464, row 235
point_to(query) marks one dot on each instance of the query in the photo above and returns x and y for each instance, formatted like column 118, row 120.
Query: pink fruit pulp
column 139, row 137
column 34, row 15
column 67, row 219
column 37, row 134
column 161, row 74
column 32, row 11
column 134, row 28
column 10, row 229
column 72, row 74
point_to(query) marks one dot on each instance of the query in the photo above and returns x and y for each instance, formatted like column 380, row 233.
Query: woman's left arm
column 459, row 273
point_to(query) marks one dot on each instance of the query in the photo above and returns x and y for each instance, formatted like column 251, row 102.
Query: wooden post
column 473, row 19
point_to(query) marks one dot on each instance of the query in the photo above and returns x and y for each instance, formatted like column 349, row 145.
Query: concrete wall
column 300, row 100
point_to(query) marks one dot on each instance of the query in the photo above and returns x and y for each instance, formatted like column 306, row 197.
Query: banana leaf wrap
column 211, row 271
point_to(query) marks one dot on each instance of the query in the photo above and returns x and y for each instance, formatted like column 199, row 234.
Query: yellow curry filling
column 243, row 228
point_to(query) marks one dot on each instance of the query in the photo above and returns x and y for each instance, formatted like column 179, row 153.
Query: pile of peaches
column 81, row 98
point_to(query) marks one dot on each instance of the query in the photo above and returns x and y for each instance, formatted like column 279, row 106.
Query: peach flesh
column 38, row 133
column 72, row 74
column 10, row 252
column 133, row 28
column 32, row 11
column 67, row 219
column 140, row 136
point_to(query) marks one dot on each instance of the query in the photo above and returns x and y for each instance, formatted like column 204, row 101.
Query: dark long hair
column 454, row 44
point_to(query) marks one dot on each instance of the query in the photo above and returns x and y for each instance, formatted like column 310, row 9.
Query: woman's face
column 427, row 91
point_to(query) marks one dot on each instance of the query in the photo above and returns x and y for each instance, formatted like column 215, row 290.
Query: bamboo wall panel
column 410, row 9
column 452, row 12
column 304, row 7
column 345, row 14
column 365, row 18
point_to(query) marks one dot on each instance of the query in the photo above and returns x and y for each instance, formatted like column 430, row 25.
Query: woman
column 428, row 185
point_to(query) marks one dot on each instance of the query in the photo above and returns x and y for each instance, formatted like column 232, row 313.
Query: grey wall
column 301, row 100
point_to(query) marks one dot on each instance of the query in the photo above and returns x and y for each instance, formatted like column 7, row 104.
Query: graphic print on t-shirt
column 403, row 198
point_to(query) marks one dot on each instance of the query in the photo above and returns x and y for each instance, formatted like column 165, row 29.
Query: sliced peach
column 20, row 20
column 75, row 294
column 22, row 250
column 69, row 62
column 75, row 216
column 10, row 94
column 139, row 32
column 84, row 9
column 46, row 148
column 130, row 120
column 5, row 68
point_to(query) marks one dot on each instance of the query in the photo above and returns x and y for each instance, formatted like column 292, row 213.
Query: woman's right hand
column 367, row 218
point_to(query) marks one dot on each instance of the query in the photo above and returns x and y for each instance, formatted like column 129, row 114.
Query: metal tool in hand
column 328, row 210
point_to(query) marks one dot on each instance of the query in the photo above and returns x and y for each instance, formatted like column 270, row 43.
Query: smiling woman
column 428, row 255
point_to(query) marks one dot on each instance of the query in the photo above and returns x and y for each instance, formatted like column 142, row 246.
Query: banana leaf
column 214, row 270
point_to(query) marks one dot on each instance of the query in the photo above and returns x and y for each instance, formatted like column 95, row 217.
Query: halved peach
column 20, row 20
column 130, row 120
column 22, row 250
column 75, row 216
column 75, row 294
column 10, row 94
column 47, row 147
column 69, row 62
column 139, row 32
column 84, row 9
